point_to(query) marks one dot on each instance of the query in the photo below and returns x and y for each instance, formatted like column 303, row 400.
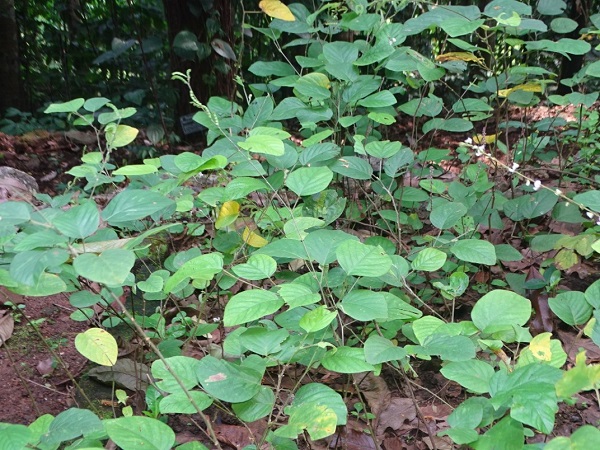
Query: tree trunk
column 189, row 15
column 10, row 81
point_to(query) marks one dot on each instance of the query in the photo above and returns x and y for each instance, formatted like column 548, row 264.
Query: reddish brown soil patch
column 25, row 393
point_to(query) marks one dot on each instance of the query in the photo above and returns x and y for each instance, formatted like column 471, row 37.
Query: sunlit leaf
column 276, row 9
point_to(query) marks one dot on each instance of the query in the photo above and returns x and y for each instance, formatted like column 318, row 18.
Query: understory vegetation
column 312, row 241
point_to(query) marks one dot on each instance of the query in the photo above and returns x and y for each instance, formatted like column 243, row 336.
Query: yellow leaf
column 488, row 138
column 276, row 9
column 227, row 214
column 540, row 347
column 527, row 87
column 459, row 56
column 253, row 239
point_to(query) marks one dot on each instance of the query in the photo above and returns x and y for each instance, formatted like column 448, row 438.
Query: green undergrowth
column 326, row 244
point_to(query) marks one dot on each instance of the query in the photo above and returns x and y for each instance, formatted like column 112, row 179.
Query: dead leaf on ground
column 233, row 435
column 126, row 373
column 399, row 411
column 441, row 443
column 7, row 326
column 572, row 345
column 352, row 437
column 374, row 390
column 46, row 366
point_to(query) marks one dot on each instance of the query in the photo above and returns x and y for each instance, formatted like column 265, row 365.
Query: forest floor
column 39, row 361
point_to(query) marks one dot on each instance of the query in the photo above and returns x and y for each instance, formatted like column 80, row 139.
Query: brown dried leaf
column 233, row 435
column 126, row 373
column 7, row 326
column 46, row 366
column 572, row 345
column 352, row 437
column 398, row 411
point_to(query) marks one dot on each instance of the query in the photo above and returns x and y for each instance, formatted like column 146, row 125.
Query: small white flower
column 589, row 214
column 557, row 191
column 514, row 167
column 527, row 182
column 598, row 222
column 567, row 204
column 216, row 319
column 479, row 150
column 536, row 185
column 468, row 141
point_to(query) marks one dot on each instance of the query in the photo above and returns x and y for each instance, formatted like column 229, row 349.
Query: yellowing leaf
column 253, row 239
column 227, row 214
column 527, row 87
column 488, row 138
column 98, row 346
column 540, row 347
column 276, row 9
column 459, row 56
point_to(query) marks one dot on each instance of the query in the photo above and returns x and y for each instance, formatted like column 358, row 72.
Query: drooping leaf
column 276, row 9
column 110, row 267
column 133, row 433
column 250, row 305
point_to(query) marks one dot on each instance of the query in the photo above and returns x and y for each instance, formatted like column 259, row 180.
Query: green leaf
column 94, row 104
column 454, row 125
column 179, row 403
column 506, row 431
column 14, row 213
column 318, row 420
column 296, row 294
column 46, row 284
column 295, row 228
column 271, row 69
column 120, row 135
column 313, row 86
column 363, row 260
column 449, row 348
column 79, row 221
column 529, row 392
column 571, row 307
column 429, row 260
column 98, row 346
column 475, row 251
column 339, row 57
column 227, row 381
column 111, row 267
column 346, row 360
column 183, row 366
column 14, row 437
column 322, row 245
column 506, row 252
column 136, row 432
column 364, row 305
column 67, row 107
column 134, row 204
column 259, row 406
column 317, row 393
column 473, row 375
column 379, row 350
column 263, row 341
column 590, row 199
column 428, row 106
column 446, row 215
column 250, row 305
column 258, row 267
column 317, row 319
column 378, row 100
column 203, row 267
column 71, row 424
column 501, row 308
column 587, row 436
column 530, row 206
column 309, row 180
column 353, row 167
column 264, row 144
column 135, row 170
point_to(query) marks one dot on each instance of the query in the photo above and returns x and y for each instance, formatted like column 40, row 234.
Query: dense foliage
column 332, row 245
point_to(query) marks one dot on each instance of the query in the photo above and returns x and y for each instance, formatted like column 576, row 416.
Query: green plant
column 277, row 235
